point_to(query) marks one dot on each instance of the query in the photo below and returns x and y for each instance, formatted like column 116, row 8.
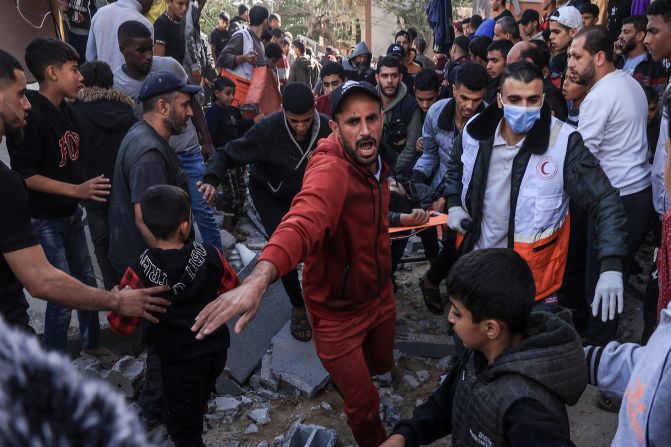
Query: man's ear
column 185, row 228
column 334, row 127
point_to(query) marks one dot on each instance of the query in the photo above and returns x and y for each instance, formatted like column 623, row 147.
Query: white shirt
column 613, row 121
column 103, row 43
column 496, row 205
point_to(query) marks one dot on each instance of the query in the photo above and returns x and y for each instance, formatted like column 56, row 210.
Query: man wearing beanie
column 277, row 148
column 337, row 226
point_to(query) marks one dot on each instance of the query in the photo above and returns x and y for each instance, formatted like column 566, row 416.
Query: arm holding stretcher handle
column 459, row 220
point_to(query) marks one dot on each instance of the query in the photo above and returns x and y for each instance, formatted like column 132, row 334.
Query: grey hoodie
column 641, row 376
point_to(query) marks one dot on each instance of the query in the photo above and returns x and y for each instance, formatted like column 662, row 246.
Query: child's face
column 473, row 335
column 588, row 19
column 178, row 8
column 572, row 90
column 225, row 96
column 67, row 78
column 653, row 110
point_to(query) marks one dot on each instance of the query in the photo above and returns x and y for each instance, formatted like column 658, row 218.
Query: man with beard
column 337, row 226
column 509, row 179
column 146, row 159
column 402, row 117
column 636, row 61
column 23, row 262
column 277, row 149
column 443, row 124
column 359, row 68
column 136, row 47
column 613, row 127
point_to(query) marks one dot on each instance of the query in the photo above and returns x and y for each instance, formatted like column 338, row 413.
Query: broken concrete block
column 296, row 363
column 301, row 435
column 126, row 375
column 227, row 239
column 252, row 428
column 266, row 376
column 248, row 348
column 326, row 406
column 446, row 362
column 226, row 404
column 279, row 439
column 263, row 444
column 411, row 381
column 261, row 416
column 225, row 386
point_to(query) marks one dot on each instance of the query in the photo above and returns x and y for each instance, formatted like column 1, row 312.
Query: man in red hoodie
column 337, row 225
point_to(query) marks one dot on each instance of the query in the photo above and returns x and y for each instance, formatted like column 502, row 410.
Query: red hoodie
column 338, row 226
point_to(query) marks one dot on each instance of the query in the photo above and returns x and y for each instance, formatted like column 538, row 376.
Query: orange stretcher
column 438, row 220
column 261, row 94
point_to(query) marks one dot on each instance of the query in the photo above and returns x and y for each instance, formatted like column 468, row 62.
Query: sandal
column 432, row 299
column 300, row 326
column 608, row 404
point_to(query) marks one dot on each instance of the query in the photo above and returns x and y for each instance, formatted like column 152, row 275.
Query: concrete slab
column 296, row 363
column 248, row 348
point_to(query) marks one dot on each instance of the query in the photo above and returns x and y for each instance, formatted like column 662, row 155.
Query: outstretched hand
column 244, row 301
column 209, row 192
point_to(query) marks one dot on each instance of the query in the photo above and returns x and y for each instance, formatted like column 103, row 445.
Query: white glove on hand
column 455, row 215
column 609, row 293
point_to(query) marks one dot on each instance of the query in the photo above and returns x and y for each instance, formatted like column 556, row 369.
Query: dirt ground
column 590, row 426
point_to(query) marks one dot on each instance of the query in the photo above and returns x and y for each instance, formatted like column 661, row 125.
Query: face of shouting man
column 358, row 124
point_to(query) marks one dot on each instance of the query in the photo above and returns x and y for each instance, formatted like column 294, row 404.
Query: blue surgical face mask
column 521, row 119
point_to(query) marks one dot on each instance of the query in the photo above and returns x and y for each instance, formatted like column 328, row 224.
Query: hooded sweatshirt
column 519, row 399
column 305, row 70
column 105, row 115
column 338, row 226
column 196, row 275
column 50, row 148
column 360, row 73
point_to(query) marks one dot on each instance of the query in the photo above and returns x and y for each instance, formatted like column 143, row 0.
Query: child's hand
column 209, row 192
column 394, row 441
column 97, row 189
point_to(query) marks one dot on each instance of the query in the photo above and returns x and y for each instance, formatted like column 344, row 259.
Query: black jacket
column 277, row 161
column 50, row 148
column 105, row 115
column 584, row 181
column 517, row 400
column 196, row 275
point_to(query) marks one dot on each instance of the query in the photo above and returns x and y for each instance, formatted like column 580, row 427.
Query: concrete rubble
column 126, row 375
column 302, row 435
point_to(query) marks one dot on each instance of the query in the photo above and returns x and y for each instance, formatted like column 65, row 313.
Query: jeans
column 194, row 167
column 65, row 246
column 99, row 229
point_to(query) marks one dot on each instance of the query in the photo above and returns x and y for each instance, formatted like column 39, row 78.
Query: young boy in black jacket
column 521, row 368
column 48, row 159
column 196, row 275
column 225, row 123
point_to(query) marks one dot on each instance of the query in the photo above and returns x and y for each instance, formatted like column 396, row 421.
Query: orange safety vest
column 541, row 234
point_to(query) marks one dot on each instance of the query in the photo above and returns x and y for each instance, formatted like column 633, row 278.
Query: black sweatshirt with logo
column 50, row 148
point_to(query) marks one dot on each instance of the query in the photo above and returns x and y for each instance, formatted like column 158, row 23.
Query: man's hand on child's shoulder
column 140, row 302
column 394, row 440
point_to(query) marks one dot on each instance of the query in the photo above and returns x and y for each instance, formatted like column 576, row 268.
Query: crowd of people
column 543, row 138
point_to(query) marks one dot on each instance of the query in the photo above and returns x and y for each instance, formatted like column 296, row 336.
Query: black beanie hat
column 297, row 98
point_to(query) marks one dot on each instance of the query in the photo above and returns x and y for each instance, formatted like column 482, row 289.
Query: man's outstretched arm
column 42, row 280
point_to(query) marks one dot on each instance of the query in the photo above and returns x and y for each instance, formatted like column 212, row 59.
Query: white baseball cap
column 569, row 16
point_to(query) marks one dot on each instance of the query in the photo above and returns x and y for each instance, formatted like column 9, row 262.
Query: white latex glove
column 454, row 217
column 609, row 293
